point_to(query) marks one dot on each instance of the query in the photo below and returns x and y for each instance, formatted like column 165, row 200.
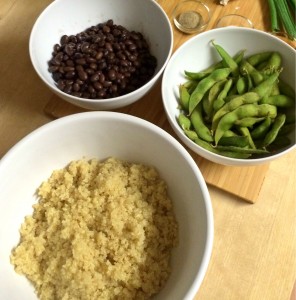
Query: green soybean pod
column 202, row 74
column 198, row 124
column 229, row 133
column 248, row 122
column 247, row 69
column 250, row 82
column 207, row 146
column 246, row 132
column 239, row 141
column 265, row 86
column 258, row 58
column 242, row 150
column 286, row 89
column 227, row 59
column 204, row 85
column 214, row 91
column 286, row 129
column 241, row 85
column 219, row 102
column 184, row 121
column 279, row 101
column 218, row 65
column 243, row 111
column 260, row 131
column 274, row 130
column 184, row 97
column 247, row 98
column 274, row 62
column 191, row 134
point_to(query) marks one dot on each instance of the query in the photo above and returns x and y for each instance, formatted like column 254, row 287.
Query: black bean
column 70, row 63
column 69, row 69
column 95, row 77
column 70, row 74
column 111, row 74
column 82, row 75
column 97, row 85
column 64, row 40
column 103, row 61
column 53, row 68
column 81, row 61
column 99, row 55
column 76, row 87
column 68, row 89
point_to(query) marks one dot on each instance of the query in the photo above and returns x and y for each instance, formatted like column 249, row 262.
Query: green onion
column 273, row 16
column 281, row 17
column 293, row 4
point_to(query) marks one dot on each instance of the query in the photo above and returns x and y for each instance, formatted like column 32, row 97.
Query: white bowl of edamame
column 229, row 95
column 102, row 135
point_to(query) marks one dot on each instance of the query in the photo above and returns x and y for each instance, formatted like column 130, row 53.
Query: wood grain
column 253, row 255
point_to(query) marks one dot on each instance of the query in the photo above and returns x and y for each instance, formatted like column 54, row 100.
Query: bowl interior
column 197, row 54
column 101, row 135
column 73, row 16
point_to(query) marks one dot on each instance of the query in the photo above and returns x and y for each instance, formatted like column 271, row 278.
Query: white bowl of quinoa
column 102, row 205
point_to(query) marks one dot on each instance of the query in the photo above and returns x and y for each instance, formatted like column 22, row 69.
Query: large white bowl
column 73, row 16
column 198, row 53
column 101, row 135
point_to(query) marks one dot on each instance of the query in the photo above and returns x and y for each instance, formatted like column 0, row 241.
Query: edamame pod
column 184, row 97
column 219, row 102
column 215, row 90
column 239, row 141
column 243, row 111
column 198, row 124
column 278, row 100
column 265, row 86
column 204, row 73
column 274, row 62
column 248, row 122
column 258, row 58
column 242, row 150
column 260, row 131
column 247, row 98
column 207, row 146
column 241, row 85
column 275, row 128
column 246, row 132
column 286, row 89
column 184, row 122
column 227, row 60
column 204, row 85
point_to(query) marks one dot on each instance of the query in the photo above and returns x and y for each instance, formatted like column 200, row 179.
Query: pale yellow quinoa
column 101, row 230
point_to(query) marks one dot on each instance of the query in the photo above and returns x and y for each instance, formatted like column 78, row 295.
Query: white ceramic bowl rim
column 8, row 157
column 103, row 101
column 226, row 160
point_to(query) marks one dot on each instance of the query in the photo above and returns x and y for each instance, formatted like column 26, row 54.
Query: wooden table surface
column 255, row 244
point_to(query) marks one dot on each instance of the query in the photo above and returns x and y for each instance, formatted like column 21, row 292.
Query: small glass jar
column 234, row 20
column 191, row 16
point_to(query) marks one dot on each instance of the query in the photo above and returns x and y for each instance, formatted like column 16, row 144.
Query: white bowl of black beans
column 101, row 55
column 229, row 95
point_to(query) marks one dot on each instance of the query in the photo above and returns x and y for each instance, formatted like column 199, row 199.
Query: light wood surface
column 255, row 245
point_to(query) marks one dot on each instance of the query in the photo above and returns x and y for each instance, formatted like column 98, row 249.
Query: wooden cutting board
column 242, row 182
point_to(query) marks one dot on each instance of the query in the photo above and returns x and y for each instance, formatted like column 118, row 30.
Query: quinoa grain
column 101, row 230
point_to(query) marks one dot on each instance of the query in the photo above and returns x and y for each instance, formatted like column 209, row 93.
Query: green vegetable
column 280, row 14
column 205, row 84
column 238, row 107
column 243, row 111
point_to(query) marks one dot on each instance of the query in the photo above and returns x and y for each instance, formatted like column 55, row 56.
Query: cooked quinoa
column 100, row 230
